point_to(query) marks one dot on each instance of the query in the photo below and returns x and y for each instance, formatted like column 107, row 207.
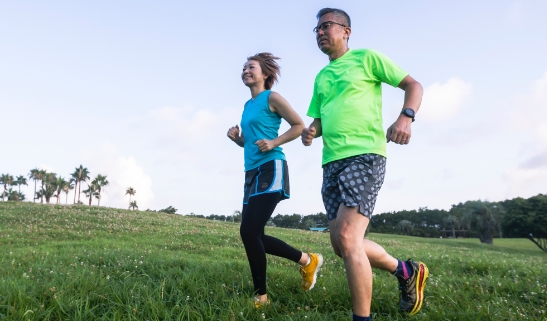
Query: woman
column 266, row 172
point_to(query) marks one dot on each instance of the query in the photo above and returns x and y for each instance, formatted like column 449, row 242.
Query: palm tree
column 42, row 173
column 131, row 191
column 59, row 183
column 68, row 186
column 21, row 196
column 6, row 179
column 21, row 180
column 453, row 222
column 12, row 195
column 133, row 205
column 100, row 182
column 80, row 174
column 91, row 191
column 49, row 180
column 479, row 215
column 34, row 176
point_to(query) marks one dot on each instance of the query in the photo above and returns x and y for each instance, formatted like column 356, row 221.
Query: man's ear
column 347, row 31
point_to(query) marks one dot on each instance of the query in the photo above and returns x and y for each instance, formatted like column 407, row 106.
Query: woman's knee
column 248, row 234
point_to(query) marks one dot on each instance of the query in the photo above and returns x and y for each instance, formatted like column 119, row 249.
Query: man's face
column 331, row 38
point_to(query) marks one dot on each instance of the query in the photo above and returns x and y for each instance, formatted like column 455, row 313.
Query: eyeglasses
column 326, row 25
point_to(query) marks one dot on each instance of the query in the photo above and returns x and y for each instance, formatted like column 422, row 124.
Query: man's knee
column 346, row 242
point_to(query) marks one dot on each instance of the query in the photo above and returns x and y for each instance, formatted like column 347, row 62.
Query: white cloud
column 531, row 116
column 442, row 101
column 122, row 172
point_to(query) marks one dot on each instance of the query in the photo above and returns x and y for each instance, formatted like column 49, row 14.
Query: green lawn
column 81, row 263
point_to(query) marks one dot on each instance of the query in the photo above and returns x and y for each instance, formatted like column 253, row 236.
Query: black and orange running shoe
column 412, row 289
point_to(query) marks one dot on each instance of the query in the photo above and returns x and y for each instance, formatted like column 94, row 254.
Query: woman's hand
column 265, row 145
column 233, row 134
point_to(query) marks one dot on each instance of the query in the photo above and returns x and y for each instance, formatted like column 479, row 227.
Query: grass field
column 96, row 263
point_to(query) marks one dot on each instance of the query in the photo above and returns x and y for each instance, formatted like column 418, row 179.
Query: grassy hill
column 97, row 263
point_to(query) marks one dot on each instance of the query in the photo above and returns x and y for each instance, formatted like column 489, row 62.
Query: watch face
column 409, row 112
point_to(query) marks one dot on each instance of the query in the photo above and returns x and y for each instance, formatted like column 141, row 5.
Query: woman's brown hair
column 269, row 67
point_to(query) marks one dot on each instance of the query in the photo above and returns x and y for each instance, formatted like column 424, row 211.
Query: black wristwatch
column 408, row 112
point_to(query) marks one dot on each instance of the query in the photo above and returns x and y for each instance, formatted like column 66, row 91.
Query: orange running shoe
column 309, row 272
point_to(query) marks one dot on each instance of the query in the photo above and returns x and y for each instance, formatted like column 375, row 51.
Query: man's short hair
column 337, row 13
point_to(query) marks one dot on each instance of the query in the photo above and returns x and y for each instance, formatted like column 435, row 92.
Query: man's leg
column 349, row 230
column 377, row 255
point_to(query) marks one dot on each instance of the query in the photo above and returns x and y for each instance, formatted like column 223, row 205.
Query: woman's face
column 252, row 73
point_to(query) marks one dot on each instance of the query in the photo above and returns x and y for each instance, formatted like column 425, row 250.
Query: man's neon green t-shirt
column 347, row 97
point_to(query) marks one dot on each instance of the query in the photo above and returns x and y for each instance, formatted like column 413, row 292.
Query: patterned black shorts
column 353, row 181
column 270, row 177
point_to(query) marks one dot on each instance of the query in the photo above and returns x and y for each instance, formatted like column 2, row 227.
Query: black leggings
column 256, row 214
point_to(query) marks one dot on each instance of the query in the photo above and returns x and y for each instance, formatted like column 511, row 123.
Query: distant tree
column 131, row 191
column 452, row 222
column 91, row 191
column 60, row 184
column 6, row 180
column 479, row 216
column 33, row 175
column 42, row 176
column 169, row 210
column 81, row 174
column 49, row 183
column 406, row 227
column 309, row 222
column 20, row 180
column 67, row 187
column 236, row 216
column 133, row 205
column 12, row 195
column 498, row 211
column 100, row 182
column 287, row 221
column 525, row 216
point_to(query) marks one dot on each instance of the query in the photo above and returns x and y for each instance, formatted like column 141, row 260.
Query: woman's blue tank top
column 259, row 122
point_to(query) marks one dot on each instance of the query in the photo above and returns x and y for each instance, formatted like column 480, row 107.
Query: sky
column 145, row 91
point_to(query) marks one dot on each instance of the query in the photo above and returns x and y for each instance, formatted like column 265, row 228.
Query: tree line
column 48, row 185
column 514, row 218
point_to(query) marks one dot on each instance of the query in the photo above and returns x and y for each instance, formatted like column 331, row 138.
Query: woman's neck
column 256, row 90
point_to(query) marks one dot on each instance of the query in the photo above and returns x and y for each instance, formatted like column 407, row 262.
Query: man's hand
column 265, row 145
column 233, row 133
column 399, row 132
column 308, row 134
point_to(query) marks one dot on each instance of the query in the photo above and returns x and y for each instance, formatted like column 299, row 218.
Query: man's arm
column 400, row 132
column 315, row 130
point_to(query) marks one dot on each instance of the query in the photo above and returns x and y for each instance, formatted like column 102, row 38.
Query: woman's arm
column 281, row 106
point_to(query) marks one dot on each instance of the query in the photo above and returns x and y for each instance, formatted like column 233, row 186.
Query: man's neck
column 338, row 53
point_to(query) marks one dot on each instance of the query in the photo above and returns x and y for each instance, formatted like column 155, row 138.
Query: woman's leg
column 256, row 214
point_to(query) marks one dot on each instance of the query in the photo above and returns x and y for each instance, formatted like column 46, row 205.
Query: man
column 347, row 111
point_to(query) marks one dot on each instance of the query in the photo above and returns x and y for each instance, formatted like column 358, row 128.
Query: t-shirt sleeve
column 314, row 110
column 383, row 68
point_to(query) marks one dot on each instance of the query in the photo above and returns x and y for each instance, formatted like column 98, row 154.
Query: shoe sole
column 319, row 264
column 420, row 287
